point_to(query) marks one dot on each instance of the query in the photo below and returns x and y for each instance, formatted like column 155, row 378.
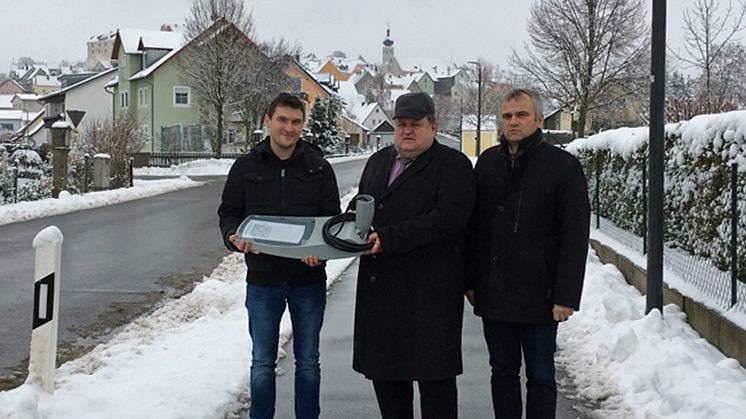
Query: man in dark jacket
column 409, row 305
column 281, row 176
column 529, row 239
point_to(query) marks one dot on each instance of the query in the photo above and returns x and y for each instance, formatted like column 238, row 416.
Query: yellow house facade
column 488, row 136
column 306, row 84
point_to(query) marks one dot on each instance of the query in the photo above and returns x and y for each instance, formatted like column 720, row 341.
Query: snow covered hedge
column 698, row 157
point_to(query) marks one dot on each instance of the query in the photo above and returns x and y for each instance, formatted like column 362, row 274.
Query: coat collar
column 417, row 165
column 264, row 150
column 527, row 146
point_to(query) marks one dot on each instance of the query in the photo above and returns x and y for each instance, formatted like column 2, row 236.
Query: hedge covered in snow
column 698, row 157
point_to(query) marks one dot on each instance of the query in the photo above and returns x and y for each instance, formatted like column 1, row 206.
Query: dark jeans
column 438, row 399
column 505, row 342
column 265, row 306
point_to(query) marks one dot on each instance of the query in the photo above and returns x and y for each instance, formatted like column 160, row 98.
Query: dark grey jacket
column 260, row 184
column 529, row 234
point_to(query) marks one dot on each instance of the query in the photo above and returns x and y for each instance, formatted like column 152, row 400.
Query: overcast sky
column 426, row 33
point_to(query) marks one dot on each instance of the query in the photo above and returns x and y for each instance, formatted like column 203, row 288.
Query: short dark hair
column 288, row 100
column 535, row 98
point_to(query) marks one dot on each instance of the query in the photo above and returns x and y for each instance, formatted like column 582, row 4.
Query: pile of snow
column 644, row 366
column 207, row 167
column 24, row 211
column 189, row 358
column 212, row 167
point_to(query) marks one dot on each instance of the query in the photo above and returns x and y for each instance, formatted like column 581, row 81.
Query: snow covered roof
column 6, row 101
column 26, row 96
column 148, row 71
column 12, row 114
column 134, row 41
column 103, row 36
column 46, row 81
column 363, row 111
column 78, row 84
column 113, row 82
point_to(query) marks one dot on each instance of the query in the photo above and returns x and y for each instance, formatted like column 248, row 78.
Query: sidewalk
column 347, row 394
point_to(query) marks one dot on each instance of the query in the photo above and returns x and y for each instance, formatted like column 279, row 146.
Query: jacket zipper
column 282, row 190
column 518, row 211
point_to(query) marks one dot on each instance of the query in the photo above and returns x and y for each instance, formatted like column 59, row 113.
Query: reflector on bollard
column 44, row 300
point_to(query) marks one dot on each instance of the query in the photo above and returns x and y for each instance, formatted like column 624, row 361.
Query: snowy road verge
column 24, row 211
column 644, row 366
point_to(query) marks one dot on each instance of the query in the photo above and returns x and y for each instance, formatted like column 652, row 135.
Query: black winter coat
column 409, row 305
column 259, row 183
column 529, row 235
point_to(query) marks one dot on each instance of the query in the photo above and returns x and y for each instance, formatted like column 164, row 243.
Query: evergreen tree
column 324, row 124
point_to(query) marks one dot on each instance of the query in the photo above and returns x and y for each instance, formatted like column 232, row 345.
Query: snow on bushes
column 699, row 154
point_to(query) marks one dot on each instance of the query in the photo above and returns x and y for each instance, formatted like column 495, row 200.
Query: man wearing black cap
column 409, row 304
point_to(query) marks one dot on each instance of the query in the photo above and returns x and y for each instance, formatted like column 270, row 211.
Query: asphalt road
column 118, row 262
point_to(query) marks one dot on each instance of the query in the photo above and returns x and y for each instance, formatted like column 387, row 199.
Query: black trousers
column 438, row 399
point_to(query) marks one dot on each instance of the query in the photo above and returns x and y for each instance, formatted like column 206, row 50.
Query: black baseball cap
column 414, row 105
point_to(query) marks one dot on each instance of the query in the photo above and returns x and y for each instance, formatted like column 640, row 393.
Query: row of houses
column 141, row 76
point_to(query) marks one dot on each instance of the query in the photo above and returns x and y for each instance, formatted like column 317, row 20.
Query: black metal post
column 479, row 111
column 15, row 184
column 654, row 297
column 734, row 234
column 87, row 171
column 644, row 206
column 597, row 192
column 132, row 171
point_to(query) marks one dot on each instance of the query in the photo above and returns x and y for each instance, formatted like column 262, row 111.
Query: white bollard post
column 42, row 360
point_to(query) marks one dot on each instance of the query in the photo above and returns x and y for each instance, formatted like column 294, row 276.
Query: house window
column 142, row 97
column 124, row 99
column 182, row 96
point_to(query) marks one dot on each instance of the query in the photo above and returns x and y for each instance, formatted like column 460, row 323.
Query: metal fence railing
column 705, row 232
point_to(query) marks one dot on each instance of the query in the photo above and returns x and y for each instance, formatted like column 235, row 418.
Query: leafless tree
column 217, row 60
column 586, row 53
column 707, row 35
column 494, row 85
column 116, row 138
column 265, row 78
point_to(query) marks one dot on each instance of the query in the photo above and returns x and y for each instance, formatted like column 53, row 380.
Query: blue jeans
column 506, row 341
column 265, row 306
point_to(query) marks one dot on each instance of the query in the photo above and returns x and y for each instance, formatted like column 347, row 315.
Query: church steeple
column 388, row 41
column 389, row 64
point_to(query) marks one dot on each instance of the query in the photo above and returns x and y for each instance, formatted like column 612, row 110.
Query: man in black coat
column 281, row 176
column 409, row 305
column 528, row 246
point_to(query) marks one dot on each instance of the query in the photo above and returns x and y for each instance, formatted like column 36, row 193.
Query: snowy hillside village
column 142, row 73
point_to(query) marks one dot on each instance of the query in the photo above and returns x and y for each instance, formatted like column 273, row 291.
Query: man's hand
column 561, row 313
column 373, row 238
column 470, row 296
column 242, row 245
column 311, row 261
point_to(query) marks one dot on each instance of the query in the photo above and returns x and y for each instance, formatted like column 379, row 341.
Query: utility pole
column 478, row 138
column 654, row 297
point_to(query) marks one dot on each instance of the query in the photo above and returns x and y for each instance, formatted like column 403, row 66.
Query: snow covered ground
column 190, row 358
column 24, row 211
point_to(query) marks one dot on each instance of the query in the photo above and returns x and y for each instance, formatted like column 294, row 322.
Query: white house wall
column 91, row 98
